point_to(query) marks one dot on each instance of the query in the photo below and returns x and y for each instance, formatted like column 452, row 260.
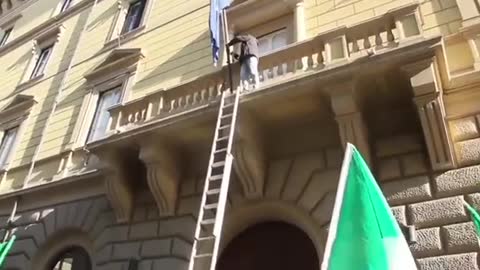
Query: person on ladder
column 248, row 59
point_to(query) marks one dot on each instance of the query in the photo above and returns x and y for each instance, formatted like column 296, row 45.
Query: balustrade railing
column 340, row 45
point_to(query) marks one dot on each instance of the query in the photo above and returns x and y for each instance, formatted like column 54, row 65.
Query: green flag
column 475, row 217
column 363, row 233
column 5, row 248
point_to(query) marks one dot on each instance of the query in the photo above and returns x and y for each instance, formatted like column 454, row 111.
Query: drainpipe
column 57, row 98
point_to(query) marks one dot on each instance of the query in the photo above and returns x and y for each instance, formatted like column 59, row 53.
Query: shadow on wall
column 191, row 61
column 47, row 104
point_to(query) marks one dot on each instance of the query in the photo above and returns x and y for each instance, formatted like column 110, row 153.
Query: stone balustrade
column 338, row 46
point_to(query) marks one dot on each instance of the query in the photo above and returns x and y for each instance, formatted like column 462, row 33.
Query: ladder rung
column 218, row 164
column 211, row 206
column 206, row 238
column 220, row 150
column 222, row 139
column 216, row 177
column 201, row 256
column 209, row 221
column 213, row 192
column 224, row 127
column 228, row 105
column 227, row 115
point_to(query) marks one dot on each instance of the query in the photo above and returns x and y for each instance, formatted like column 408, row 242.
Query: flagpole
column 338, row 205
column 227, row 39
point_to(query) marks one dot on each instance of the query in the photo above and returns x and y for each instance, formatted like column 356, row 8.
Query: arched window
column 270, row 245
column 74, row 258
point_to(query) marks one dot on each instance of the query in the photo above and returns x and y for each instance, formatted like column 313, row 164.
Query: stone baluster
column 351, row 124
column 428, row 99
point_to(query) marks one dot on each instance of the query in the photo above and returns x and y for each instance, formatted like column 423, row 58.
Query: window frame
column 143, row 5
column 39, row 69
column 10, row 149
column 65, row 5
column 100, row 95
column 117, row 28
column 6, row 36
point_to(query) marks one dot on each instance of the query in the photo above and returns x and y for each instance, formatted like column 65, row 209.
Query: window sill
column 124, row 38
column 31, row 82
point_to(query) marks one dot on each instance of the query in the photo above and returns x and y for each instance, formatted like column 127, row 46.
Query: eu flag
column 216, row 7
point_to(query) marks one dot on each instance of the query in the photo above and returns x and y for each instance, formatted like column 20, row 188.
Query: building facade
column 108, row 110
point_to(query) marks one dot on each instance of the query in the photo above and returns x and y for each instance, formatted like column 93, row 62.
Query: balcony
column 324, row 91
column 324, row 53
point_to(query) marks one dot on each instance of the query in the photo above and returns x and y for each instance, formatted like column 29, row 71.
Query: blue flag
column 216, row 7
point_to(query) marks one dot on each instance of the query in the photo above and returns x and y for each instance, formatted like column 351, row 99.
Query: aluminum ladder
column 214, row 199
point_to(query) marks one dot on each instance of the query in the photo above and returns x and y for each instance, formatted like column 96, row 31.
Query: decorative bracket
column 249, row 156
column 163, row 174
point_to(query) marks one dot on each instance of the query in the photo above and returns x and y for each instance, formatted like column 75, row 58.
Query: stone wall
column 433, row 203
column 304, row 183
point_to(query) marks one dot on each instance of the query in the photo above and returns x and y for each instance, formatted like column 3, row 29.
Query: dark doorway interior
column 72, row 259
column 272, row 245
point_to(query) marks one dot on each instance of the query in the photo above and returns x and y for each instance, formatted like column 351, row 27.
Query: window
column 5, row 36
column 272, row 41
column 65, row 5
column 134, row 16
column 42, row 60
column 101, row 118
column 74, row 258
column 7, row 145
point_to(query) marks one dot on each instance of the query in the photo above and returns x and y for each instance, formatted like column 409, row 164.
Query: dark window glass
column 101, row 119
column 65, row 5
column 7, row 144
column 134, row 16
column 5, row 36
column 42, row 61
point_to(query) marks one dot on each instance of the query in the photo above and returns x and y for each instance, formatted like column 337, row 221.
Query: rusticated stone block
column 466, row 261
column 463, row 129
column 170, row 263
column 474, row 200
column 459, row 181
column 156, row 248
column 428, row 243
column 144, row 230
column 125, row 251
column 408, row 190
column 399, row 213
column 181, row 249
column 389, row 169
column 437, row 212
column 398, row 145
column 468, row 152
column 414, row 164
column 460, row 237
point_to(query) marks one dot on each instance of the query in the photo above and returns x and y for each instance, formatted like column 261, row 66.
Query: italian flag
column 475, row 217
column 363, row 234
column 5, row 247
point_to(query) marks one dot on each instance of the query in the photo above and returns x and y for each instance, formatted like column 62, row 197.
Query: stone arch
column 242, row 217
column 60, row 242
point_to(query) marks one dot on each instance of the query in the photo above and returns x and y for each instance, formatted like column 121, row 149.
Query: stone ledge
column 407, row 191
column 428, row 243
column 466, row 261
column 437, row 212
column 459, row 181
column 460, row 237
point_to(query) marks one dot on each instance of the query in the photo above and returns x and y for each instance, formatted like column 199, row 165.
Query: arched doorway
column 75, row 258
column 270, row 245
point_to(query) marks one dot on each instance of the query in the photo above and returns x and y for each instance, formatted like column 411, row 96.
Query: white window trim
column 119, row 20
column 10, row 24
column 16, row 118
column 91, row 99
column 58, row 9
column 48, row 39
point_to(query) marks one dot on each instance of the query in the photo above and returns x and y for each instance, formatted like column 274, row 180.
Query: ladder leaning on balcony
column 212, row 209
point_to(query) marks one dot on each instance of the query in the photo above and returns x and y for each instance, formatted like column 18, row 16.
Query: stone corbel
column 249, row 155
column 349, row 118
column 431, row 110
column 118, row 187
column 163, row 174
